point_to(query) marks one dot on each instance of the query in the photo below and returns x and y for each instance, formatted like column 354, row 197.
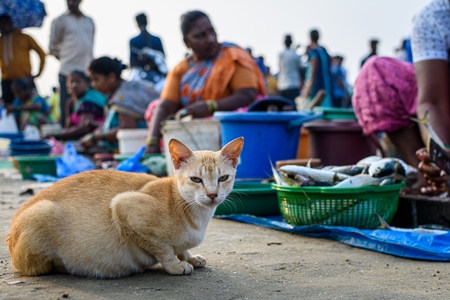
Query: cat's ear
column 179, row 152
column 232, row 150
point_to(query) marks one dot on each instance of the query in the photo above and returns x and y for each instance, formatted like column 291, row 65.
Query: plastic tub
column 198, row 134
column 30, row 147
column 131, row 140
column 50, row 129
column 257, row 199
column 338, row 142
column 30, row 165
column 267, row 136
column 11, row 136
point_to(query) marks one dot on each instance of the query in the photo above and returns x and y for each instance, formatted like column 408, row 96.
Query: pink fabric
column 385, row 95
column 75, row 119
column 151, row 110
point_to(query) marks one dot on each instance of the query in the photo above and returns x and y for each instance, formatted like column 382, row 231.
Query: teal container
column 330, row 113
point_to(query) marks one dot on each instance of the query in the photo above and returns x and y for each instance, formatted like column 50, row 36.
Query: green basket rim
column 253, row 188
column 333, row 190
column 34, row 158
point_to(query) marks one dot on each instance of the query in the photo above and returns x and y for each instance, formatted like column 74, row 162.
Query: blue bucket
column 267, row 136
column 28, row 147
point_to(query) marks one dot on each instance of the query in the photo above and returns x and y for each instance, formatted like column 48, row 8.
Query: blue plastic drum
column 267, row 136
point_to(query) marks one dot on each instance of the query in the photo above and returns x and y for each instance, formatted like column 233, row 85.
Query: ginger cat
column 109, row 224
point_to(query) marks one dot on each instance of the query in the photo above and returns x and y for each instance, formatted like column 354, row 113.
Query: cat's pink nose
column 212, row 196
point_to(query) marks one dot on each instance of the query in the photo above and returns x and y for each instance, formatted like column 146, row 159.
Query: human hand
column 436, row 178
column 152, row 149
column 88, row 141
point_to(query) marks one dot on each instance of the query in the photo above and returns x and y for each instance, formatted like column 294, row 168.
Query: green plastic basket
column 35, row 164
column 353, row 207
column 258, row 199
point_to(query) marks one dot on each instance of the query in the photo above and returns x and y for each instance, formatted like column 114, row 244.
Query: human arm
column 433, row 95
column 34, row 107
column 240, row 98
column 134, row 61
column 74, row 132
column 429, row 47
column 243, row 91
column 41, row 54
column 56, row 38
column 306, row 90
column 92, row 138
column 163, row 110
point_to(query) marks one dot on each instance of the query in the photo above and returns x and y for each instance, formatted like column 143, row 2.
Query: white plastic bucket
column 131, row 140
column 198, row 134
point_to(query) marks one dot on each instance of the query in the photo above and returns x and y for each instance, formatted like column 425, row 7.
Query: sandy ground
column 244, row 262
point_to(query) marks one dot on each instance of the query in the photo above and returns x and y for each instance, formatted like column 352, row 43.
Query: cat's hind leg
column 28, row 240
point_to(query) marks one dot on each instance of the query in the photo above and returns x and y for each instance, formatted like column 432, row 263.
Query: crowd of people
column 93, row 100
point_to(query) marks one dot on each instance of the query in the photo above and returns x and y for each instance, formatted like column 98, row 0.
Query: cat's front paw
column 197, row 261
column 181, row 268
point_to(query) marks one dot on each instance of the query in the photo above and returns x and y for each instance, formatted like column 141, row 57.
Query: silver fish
column 386, row 166
column 367, row 161
column 277, row 176
column 358, row 180
column 351, row 170
column 314, row 174
column 385, row 225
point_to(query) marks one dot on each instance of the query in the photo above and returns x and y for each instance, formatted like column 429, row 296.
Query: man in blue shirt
column 144, row 39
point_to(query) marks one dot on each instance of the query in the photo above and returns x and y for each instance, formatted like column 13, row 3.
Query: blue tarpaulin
column 417, row 243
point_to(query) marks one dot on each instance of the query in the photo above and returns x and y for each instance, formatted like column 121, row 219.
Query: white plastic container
column 197, row 134
column 50, row 129
column 131, row 140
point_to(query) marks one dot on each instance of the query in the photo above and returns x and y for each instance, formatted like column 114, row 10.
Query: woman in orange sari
column 216, row 77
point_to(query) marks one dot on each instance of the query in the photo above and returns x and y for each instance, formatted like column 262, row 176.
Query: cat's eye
column 223, row 178
column 196, row 179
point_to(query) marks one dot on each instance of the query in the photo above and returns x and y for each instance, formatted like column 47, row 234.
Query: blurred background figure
column 28, row 107
column 373, row 50
column 15, row 48
column 258, row 60
column 340, row 85
column 318, row 74
column 142, row 40
column 404, row 51
column 288, row 81
column 85, row 108
column 147, row 57
column 72, row 43
column 53, row 102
